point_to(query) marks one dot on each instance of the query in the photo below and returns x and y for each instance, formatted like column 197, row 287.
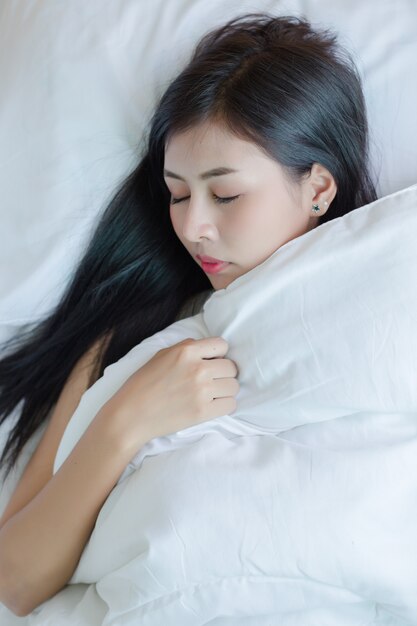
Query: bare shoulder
column 39, row 468
column 77, row 383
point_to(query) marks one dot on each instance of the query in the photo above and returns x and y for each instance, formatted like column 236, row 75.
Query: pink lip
column 210, row 265
column 208, row 259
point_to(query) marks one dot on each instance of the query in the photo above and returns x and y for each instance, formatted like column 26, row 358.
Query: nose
column 198, row 222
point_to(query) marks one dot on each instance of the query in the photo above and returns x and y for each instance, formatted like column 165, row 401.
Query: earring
column 316, row 207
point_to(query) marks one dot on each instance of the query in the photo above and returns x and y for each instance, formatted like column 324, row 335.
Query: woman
column 274, row 101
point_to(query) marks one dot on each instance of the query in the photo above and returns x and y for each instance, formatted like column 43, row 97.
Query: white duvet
column 300, row 509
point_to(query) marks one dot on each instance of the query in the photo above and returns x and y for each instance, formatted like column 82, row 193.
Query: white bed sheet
column 78, row 81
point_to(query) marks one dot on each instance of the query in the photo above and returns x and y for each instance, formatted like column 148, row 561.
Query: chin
column 221, row 282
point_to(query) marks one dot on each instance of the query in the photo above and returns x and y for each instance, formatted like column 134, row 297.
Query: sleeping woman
column 259, row 139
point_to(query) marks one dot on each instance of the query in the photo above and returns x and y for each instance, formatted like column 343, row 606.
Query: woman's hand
column 185, row 384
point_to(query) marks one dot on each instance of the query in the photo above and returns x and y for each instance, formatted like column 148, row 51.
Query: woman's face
column 266, row 212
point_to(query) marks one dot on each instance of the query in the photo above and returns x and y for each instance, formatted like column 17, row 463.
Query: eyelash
column 218, row 199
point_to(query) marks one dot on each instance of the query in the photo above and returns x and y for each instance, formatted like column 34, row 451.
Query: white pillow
column 324, row 328
column 79, row 83
column 304, row 498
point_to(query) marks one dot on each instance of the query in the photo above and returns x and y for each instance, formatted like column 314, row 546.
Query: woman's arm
column 41, row 544
column 39, row 469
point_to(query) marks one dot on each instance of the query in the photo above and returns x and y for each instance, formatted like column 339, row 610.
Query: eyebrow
column 217, row 171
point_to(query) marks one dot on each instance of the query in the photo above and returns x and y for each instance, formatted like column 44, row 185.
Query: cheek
column 258, row 230
column 245, row 222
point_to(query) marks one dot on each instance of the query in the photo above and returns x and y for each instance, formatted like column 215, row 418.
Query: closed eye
column 217, row 199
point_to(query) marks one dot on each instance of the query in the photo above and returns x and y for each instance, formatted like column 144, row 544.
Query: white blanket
column 80, row 80
column 300, row 509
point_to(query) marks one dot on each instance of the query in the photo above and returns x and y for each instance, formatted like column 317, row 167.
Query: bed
column 78, row 82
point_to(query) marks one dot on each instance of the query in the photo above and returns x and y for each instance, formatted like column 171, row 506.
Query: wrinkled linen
column 300, row 508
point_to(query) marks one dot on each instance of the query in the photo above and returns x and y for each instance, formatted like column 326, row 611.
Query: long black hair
column 276, row 81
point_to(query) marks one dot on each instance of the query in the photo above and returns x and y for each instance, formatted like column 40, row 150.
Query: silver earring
column 315, row 208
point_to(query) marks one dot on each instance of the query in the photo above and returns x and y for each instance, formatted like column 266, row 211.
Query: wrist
column 114, row 427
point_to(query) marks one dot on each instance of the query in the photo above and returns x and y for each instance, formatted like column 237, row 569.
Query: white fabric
column 78, row 84
column 300, row 508
column 79, row 81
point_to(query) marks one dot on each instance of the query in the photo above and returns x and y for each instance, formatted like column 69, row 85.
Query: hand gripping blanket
column 300, row 508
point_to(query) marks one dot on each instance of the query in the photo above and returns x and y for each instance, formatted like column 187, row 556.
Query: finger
column 212, row 347
column 224, row 387
column 221, row 368
column 221, row 406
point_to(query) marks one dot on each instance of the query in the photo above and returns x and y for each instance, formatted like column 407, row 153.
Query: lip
column 210, row 265
column 208, row 259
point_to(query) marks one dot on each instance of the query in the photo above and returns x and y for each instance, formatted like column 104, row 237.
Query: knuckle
column 199, row 374
column 202, row 393
column 186, row 349
column 218, row 343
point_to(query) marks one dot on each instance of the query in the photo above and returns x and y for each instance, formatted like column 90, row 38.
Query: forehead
column 212, row 143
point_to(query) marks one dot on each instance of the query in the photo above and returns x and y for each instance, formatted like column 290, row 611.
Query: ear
column 320, row 188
